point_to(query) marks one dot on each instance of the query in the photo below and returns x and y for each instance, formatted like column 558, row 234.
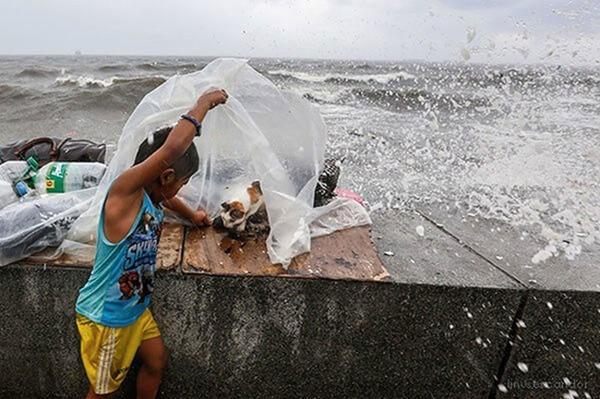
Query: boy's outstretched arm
column 197, row 217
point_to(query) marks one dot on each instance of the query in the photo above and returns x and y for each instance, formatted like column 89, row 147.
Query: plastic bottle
column 13, row 180
column 19, row 178
column 64, row 177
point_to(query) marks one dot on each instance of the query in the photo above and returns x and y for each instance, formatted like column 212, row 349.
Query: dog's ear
column 225, row 205
column 256, row 185
column 254, row 193
column 218, row 223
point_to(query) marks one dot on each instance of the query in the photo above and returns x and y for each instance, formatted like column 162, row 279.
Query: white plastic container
column 65, row 177
column 54, row 177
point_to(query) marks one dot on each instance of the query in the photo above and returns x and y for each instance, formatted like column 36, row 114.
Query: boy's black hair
column 184, row 167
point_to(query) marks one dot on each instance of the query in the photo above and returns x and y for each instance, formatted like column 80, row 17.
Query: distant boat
column 78, row 52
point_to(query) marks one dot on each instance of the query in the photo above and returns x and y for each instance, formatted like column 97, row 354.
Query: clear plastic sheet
column 341, row 213
column 262, row 133
column 30, row 226
column 72, row 248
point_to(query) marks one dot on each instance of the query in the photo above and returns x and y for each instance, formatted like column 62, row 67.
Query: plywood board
column 347, row 254
column 169, row 252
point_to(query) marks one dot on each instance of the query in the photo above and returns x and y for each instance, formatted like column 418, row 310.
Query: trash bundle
column 38, row 204
column 262, row 134
column 31, row 226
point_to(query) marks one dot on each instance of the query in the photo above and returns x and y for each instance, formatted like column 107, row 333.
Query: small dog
column 245, row 215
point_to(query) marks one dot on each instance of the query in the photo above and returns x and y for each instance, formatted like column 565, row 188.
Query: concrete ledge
column 461, row 317
column 511, row 250
column 556, row 349
column 269, row 337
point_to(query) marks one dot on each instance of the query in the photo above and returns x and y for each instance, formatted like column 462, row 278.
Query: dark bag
column 50, row 149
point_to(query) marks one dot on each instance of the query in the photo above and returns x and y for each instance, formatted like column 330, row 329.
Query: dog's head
column 235, row 212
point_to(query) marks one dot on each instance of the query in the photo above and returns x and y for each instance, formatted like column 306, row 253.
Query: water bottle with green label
column 63, row 177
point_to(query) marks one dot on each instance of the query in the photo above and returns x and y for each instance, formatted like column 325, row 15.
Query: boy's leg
column 153, row 354
column 93, row 395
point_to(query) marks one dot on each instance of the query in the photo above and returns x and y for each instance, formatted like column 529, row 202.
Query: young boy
column 113, row 318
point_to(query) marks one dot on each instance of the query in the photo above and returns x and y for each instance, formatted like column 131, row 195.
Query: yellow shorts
column 108, row 352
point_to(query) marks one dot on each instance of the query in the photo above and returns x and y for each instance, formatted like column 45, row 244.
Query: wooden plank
column 82, row 258
column 170, row 246
column 347, row 254
column 169, row 252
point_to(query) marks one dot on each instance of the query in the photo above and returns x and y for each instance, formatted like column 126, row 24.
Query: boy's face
column 170, row 184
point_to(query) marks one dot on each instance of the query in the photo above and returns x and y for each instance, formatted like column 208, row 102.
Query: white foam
column 420, row 231
column 523, row 367
column 382, row 78
column 532, row 165
column 84, row 81
column 90, row 81
column 471, row 34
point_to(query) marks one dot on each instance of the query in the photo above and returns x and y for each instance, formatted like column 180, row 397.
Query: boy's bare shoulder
column 120, row 210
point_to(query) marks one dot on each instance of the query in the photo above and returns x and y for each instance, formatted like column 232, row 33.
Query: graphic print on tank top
column 137, row 277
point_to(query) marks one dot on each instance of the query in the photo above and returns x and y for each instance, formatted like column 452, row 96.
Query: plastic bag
column 31, row 226
column 341, row 213
column 75, row 249
column 262, row 133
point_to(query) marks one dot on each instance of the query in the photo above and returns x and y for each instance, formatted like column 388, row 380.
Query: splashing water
column 521, row 145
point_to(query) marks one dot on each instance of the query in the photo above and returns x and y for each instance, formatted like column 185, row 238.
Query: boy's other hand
column 200, row 218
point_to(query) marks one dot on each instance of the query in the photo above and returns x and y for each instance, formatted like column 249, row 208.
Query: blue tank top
column 120, row 286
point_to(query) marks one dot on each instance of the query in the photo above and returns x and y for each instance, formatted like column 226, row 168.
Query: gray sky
column 562, row 31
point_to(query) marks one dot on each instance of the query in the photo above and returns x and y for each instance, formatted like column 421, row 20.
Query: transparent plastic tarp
column 262, row 133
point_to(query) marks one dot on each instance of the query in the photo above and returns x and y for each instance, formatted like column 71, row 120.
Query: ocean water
column 515, row 143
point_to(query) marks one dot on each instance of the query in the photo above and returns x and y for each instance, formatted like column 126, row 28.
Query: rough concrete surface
column 269, row 337
column 433, row 257
column 463, row 318
column 512, row 250
column 556, row 349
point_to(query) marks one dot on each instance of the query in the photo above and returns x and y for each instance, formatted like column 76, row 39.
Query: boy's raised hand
column 210, row 100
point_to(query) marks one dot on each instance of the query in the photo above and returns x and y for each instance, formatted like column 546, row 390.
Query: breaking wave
column 313, row 99
column 383, row 78
column 91, row 82
column 162, row 66
column 115, row 68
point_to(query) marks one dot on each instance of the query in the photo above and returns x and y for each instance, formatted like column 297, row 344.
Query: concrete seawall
column 452, row 322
